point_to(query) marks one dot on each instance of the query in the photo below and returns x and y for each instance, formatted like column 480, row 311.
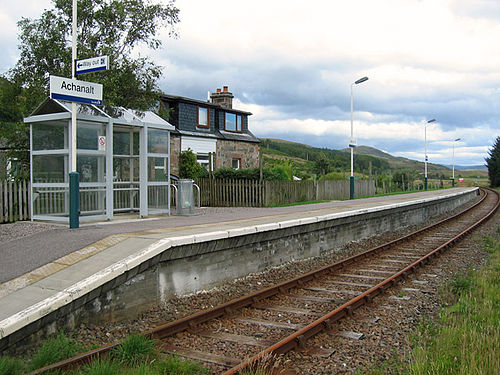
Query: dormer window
column 203, row 117
column 233, row 122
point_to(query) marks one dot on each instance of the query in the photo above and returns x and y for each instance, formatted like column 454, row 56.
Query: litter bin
column 185, row 197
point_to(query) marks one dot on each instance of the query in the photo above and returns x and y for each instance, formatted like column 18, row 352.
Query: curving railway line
column 236, row 335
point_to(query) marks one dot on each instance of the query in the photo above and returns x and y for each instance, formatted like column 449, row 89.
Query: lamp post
column 426, row 158
column 453, row 178
column 352, row 142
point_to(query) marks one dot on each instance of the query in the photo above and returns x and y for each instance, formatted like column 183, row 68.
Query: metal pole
column 351, row 144
column 425, row 161
column 74, row 181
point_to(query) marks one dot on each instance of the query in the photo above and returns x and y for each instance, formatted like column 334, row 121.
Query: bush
column 277, row 172
column 333, row 176
column 189, row 167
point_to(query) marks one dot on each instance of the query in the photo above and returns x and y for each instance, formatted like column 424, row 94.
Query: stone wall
column 175, row 152
column 247, row 152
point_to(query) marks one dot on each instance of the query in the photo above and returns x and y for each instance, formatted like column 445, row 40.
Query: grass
column 11, row 366
column 466, row 339
column 134, row 350
column 53, row 350
column 136, row 355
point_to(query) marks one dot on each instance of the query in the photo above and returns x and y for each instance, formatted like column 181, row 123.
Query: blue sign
column 94, row 64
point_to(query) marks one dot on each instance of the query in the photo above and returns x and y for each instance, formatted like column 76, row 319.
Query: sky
column 292, row 64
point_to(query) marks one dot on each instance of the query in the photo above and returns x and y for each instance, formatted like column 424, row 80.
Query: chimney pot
column 225, row 89
column 218, row 90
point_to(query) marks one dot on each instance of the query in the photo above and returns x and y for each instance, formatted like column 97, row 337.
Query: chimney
column 223, row 97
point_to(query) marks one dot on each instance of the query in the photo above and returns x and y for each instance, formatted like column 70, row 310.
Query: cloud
column 292, row 65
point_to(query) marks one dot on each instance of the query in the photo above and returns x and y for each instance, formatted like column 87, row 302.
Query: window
column 203, row 117
column 236, row 163
column 233, row 122
column 202, row 159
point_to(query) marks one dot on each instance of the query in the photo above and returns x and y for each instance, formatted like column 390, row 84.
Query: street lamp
column 453, row 178
column 352, row 141
column 426, row 158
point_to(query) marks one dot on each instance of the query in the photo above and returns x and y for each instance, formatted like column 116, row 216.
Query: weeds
column 102, row 367
column 135, row 350
column 53, row 350
column 173, row 364
column 465, row 341
column 11, row 366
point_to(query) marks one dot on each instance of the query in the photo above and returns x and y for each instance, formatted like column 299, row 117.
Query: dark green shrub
column 189, row 167
column 333, row 176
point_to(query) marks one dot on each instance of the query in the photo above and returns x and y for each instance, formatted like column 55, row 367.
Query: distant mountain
column 468, row 167
column 381, row 161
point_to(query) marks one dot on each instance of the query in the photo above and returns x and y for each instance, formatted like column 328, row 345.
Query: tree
column 493, row 164
column 14, row 135
column 322, row 165
column 105, row 27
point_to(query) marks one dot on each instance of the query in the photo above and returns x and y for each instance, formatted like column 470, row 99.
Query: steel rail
column 229, row 307
column 298, row 339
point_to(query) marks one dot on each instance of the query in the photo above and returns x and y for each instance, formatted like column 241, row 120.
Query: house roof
column 203, row 103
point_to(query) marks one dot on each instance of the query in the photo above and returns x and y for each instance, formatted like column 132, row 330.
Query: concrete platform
column 121, row 252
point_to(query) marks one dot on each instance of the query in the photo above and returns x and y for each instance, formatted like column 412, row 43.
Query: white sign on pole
column 75, row 91
column 101, row 143
column 93, row 64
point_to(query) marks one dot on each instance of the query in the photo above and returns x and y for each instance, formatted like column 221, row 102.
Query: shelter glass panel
column 91, row 168
column 88, row 135
column 50, row 168
column 157, row 141
column 157, row 169
column 92, row 200
column 158, row 197
column 50, row 136
column 50, row 201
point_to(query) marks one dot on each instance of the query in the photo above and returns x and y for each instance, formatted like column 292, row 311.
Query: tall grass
column 466, row 340
column 53, row 350
column 11, row 366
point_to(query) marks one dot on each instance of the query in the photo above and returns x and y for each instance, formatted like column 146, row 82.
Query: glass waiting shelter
column 122, row 156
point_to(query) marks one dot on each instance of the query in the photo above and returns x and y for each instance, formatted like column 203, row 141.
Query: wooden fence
column 14, row 201
column 253, row 193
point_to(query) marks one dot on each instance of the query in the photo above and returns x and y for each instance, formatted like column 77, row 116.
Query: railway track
column 236, row 335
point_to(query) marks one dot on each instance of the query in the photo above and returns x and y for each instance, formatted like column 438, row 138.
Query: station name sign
column 93, row 64
column 75, row 90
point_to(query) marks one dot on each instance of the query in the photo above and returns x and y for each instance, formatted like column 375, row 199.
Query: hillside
column 303, row 157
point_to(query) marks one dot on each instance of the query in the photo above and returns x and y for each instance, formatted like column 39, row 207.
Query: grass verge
column 465, row 340
column 136, row 355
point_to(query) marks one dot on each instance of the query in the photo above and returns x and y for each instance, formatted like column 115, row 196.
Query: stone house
column 212, row 129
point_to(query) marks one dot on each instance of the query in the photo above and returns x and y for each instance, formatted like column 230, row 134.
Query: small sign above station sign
column 92, row 64
column 75, row 90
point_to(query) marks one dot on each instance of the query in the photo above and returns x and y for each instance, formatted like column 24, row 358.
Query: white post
column 425, row 141
column 453, row 160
